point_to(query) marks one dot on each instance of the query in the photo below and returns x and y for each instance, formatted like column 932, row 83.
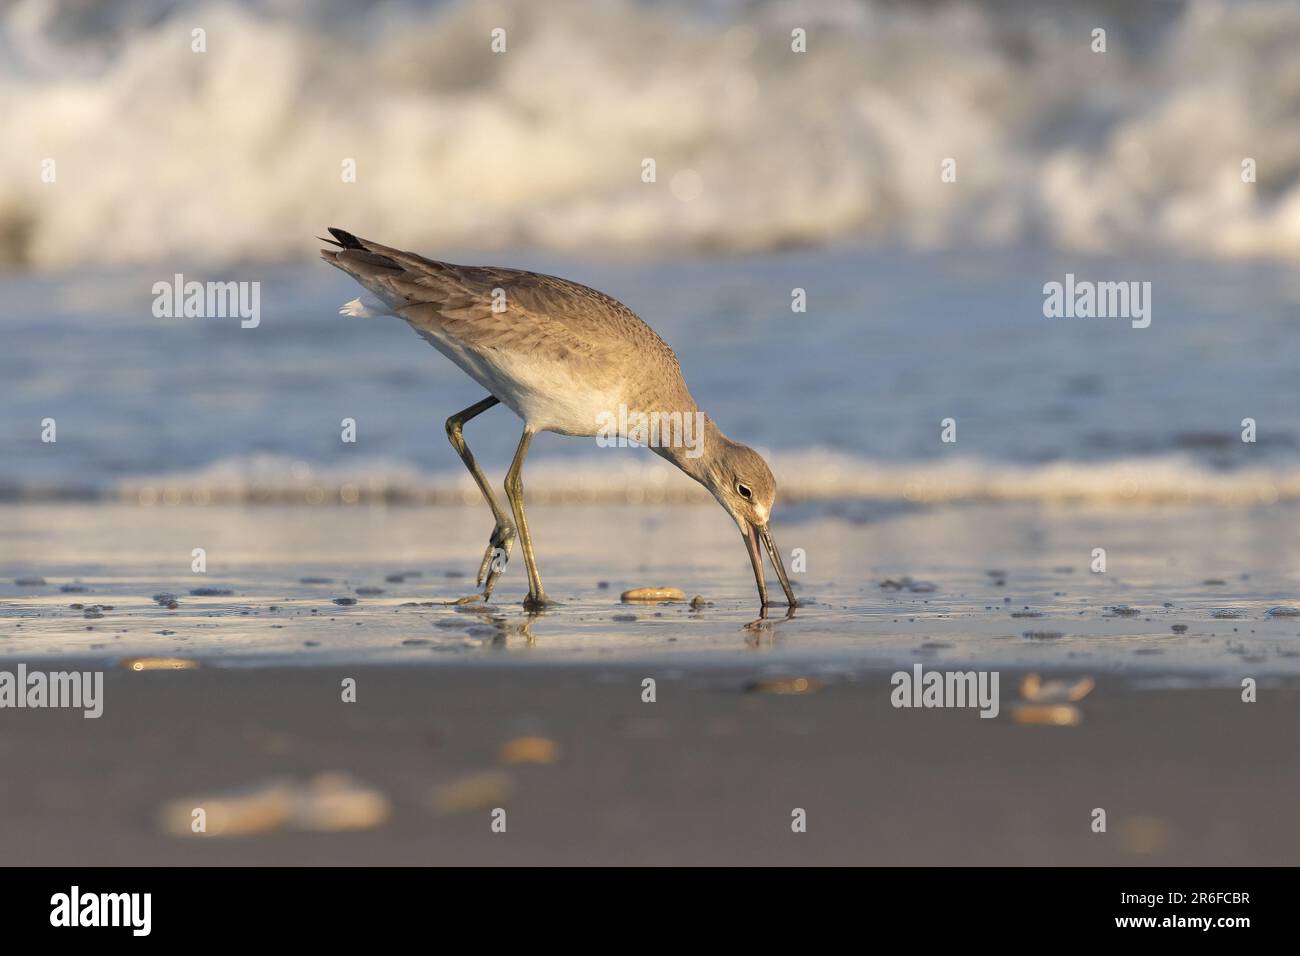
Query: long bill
column 756, row 559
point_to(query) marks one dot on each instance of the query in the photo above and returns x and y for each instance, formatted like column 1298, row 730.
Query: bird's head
column 743, row 484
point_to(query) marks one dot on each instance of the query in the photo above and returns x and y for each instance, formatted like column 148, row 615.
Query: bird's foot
column 538, row 602
column 495, row 557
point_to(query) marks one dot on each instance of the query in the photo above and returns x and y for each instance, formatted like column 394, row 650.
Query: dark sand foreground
column 709, row 773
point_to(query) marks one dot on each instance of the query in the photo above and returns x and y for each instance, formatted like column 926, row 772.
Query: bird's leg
column 503, row 535
column 515, row 492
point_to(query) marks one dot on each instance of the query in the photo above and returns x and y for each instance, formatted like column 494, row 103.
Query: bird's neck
column 695, row 454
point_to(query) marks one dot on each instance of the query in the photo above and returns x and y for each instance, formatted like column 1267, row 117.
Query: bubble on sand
column 1282, row 612
column 907, row 584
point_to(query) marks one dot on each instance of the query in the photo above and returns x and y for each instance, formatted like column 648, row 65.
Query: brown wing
column 496, row 308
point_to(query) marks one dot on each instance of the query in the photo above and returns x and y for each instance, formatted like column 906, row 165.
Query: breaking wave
column 640, row 478
column 236, row 153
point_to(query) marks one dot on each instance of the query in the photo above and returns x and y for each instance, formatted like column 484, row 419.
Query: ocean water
column 848, row 397
column 129, row 158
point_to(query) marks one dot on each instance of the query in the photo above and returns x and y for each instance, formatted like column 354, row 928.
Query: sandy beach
column 708, row 774
column 459, row 711
column 964, row 285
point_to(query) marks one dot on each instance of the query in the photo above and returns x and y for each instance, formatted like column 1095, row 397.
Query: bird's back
column 524, row 332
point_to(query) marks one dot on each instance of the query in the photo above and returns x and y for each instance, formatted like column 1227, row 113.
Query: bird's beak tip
column 754, row 534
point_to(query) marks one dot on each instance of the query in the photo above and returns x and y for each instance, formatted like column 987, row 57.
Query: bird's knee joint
column 454, row 433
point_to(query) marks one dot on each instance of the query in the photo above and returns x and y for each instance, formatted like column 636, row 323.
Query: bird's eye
column 743, row 490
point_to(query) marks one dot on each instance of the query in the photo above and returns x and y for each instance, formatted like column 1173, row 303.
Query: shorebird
column 563, row 358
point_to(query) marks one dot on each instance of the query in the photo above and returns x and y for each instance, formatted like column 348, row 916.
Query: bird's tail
column 342, row 239
column 370, row 265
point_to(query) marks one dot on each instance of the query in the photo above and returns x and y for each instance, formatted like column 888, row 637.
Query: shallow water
column 848, row 397
column 1005, row 585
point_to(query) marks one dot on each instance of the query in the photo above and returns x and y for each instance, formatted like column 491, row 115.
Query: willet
column 563, row 358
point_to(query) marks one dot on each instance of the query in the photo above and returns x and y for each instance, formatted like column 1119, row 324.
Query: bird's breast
column 548, row 395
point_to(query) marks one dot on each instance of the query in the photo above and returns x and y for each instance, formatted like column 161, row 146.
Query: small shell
column 471, row 792
column 784, row 685
column 1061, row 715
column 1035, row 689
column 654, row 594
column 159, row 664
column 529, row 750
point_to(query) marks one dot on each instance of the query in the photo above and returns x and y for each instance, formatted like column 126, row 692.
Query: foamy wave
column 811, row 476
column 236, row 153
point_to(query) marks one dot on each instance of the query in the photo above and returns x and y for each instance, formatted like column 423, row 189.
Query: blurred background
column 775, row 171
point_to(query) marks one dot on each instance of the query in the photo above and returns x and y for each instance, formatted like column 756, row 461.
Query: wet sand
column 709, row 773
column 461, row 710
column 1206, row 589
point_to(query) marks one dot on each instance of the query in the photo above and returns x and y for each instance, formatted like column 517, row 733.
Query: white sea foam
column 235, row 153
column 816, row 476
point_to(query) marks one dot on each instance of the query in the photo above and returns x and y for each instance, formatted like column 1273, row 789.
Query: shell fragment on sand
column 784, row 685
column 159, row 664
column 1059, row 715
column 329, row 802
column 529, row 750
column 256, row 808
column 654, row 594
column 334, row 801
column 473, row 791
column 1033, row 688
